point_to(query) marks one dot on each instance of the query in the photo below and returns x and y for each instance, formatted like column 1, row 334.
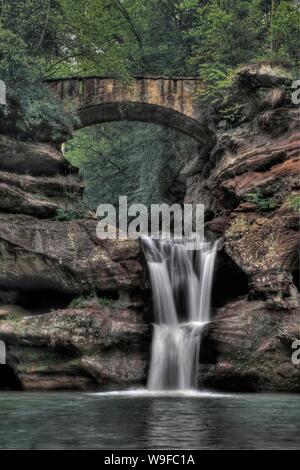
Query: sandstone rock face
column 39, row 196
column 251, row 184
column 274, row 242
column 45, row 254
column 32, row 158
column 78, row 348
column 37, row 180
column 253, row 348
column 65, row 256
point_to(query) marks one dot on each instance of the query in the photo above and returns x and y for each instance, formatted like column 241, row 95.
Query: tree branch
column 45, row 27
column 100, row 154
column 118, row 5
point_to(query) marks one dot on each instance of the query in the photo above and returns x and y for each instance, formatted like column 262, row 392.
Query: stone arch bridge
column 170, row 102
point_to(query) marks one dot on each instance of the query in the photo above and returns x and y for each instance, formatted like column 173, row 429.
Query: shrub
column 105, row 302
column 69, row 214
column 84, row 300
column 294, row 202
column 81, row 300
column 36, row 112
column 218, row 80
column 263, row 203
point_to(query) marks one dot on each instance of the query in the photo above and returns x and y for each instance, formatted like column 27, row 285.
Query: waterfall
column 181, row 274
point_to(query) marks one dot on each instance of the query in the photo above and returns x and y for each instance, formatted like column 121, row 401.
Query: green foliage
column 21, row 68
column 46, row 38
column 294, row 202
column 162, row 27
column 229, row 33
column 231, row 113
column 284, row 33
column 218, row 80
column 263, row 203
column 69, row 214
column 105, row 302
column 81, row 301
column 225, row 31
column 85, row 300
column 93, row 40
column 131, row 159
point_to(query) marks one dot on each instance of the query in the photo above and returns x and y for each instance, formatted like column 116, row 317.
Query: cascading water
column 181, row 275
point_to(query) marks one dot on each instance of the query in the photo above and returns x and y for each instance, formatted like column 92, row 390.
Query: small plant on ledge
column 69, row 214
column 88, row 300
column 262, row 202
column 294, row 202
column 81, row 301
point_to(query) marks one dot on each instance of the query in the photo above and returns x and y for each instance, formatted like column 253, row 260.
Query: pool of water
column 141, row 420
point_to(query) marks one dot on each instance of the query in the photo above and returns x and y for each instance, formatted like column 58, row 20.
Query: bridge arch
column 170, row 102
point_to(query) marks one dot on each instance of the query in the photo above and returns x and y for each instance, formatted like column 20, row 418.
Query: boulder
column 263, row 75
column 76, row 348
column 252, row 348
column 117, row 368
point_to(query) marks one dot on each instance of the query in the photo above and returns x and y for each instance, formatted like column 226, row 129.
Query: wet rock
column 257, row 153
column 76, row 348
column 58, row 379
column 251, row 183
column 17, row 201
column 116, row 368
column 280, row 176
column 253, row 348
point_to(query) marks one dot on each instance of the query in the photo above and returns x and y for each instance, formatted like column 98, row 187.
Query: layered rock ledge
column 250, row 186
column 71, row 313
column 76, row 348
column 251, row 344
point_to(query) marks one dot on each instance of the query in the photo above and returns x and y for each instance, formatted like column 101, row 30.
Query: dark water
column 199, row 421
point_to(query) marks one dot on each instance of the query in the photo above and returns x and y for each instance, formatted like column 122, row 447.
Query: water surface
column 136, row 419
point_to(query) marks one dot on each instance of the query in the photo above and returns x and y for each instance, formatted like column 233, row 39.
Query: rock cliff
column 73, row 312
column 250, row 186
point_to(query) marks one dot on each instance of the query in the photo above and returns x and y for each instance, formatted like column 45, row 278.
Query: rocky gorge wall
column 71, row 313
column 250, row 186
column 75, row 310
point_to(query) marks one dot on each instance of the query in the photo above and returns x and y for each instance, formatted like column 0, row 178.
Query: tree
column 225, row 31
column 284, row 31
